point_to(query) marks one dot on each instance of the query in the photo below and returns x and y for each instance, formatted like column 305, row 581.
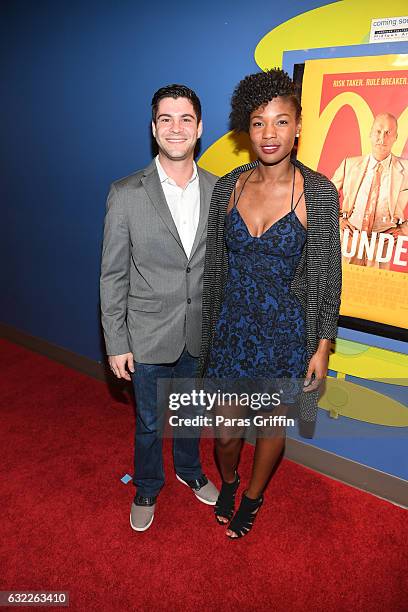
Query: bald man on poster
column 373, row 193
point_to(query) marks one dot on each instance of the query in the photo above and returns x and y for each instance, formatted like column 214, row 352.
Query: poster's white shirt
column 382, row 219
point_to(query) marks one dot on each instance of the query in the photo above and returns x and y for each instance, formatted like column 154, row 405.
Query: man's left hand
column 394, row 231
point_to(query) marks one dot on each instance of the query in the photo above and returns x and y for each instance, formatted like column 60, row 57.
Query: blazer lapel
column 396, row 178
column 356, row 178
column 154, row 190
column 205, row 198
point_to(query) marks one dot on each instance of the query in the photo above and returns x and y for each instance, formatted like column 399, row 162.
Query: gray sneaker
column 203, row 489
column 141, row 516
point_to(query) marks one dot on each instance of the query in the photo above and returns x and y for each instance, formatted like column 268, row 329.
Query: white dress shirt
column 184, row 205
column 382, row 220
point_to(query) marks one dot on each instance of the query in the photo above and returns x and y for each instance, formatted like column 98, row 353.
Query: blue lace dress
column 260, row 333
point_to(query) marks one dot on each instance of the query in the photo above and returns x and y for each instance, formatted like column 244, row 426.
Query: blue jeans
column 148, row 472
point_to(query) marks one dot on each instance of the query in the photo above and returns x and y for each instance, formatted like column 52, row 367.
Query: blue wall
column 77, row 82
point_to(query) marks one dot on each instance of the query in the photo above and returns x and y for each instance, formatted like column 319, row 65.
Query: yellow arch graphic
column 315, row 128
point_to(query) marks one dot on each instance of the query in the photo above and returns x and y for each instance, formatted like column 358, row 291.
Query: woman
column 272, row 278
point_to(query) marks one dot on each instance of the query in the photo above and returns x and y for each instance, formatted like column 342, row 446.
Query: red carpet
column 317, row 544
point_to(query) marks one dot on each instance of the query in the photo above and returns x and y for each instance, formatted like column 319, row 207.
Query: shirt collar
column 385, row 162
column 163, row 176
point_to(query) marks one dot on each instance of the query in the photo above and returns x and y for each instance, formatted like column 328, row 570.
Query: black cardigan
column 317, row 280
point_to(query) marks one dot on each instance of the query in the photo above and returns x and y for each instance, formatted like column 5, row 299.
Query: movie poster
column 355, row 131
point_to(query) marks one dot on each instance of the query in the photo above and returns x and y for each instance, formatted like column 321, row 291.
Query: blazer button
column 188, row 300
column 188, row 270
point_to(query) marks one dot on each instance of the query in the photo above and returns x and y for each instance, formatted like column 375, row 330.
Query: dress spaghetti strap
column 293, row 208
column 240, row 193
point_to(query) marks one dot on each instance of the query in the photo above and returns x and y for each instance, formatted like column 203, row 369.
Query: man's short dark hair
column 256, row 90
column 176, row 91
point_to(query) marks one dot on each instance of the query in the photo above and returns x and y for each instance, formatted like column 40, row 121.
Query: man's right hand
column 118, row 365
column 344, row 224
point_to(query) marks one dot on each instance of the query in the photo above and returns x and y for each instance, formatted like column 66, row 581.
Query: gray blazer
column 151, row 292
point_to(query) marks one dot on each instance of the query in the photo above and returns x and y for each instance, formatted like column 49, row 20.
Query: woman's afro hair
column 255, row 91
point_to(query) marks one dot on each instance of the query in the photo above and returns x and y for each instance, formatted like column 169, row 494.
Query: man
column 151, row 288
column 374, row 190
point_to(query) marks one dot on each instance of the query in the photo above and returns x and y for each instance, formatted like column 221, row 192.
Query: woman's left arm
column 318, row 365
column 329, row 311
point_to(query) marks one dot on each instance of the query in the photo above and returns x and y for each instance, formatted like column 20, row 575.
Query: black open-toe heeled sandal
column 225, row 503
column 245, row 516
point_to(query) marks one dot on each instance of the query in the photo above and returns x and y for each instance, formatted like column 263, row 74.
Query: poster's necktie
column 372, row 200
